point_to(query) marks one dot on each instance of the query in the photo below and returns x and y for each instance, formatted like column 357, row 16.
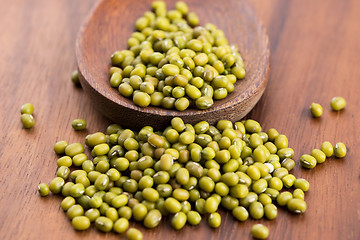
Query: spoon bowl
column 111, row 23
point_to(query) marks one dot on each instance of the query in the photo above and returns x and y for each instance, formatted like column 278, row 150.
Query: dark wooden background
column 314, row 56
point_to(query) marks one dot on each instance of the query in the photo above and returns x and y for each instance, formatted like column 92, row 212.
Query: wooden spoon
column 111, row 23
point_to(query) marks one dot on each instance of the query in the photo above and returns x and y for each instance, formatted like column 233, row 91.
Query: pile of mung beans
column 174, row 63
column 186, row 172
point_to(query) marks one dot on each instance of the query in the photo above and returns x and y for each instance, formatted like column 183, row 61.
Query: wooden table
column 314, row 56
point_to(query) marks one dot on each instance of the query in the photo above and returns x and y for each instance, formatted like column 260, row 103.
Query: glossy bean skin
column 134, row 234
column 81, row 223
column 340, row 150
column 43, row 189
column 316, row 110
column 296, row 205
column 79, row 124
column 104, row 224
column 259, row 231
column 327, row 148
column 338, row 103
column 27, row 120
column 27, row 108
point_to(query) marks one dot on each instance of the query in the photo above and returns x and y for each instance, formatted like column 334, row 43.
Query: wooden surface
column 111, row 21
column 315, row 56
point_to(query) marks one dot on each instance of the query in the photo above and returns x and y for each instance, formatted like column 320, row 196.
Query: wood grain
column 314, row 47
column 110, row 20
